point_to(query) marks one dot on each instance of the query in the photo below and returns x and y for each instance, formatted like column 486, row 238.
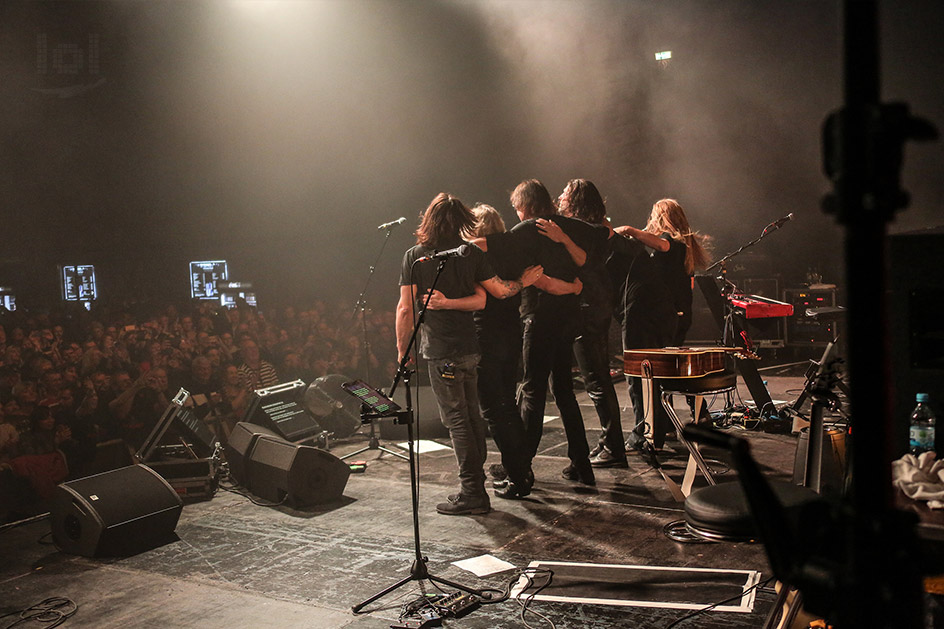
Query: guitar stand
column 696, row 461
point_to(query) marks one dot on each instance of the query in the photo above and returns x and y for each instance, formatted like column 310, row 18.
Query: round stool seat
column 722, row 512
column 710, row 383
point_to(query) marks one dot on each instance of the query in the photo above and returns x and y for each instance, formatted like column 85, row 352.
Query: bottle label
column 921, row 437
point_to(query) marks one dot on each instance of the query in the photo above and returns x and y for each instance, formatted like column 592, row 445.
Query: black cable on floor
column 52, row 612
column 251, row 498
column 701, row 611
column 29, row 520
column 529, row 574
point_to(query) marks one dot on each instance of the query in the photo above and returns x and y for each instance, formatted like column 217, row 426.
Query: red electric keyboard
column 757, row 307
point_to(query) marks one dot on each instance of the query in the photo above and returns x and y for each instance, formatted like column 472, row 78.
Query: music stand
column 368, row 418
column 385, row 407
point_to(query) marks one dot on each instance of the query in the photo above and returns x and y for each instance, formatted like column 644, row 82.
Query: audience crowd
column 74, row 383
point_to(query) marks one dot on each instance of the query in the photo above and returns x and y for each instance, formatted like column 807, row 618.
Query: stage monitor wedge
column 117, row 513
column 283, row 472
column 239, row 447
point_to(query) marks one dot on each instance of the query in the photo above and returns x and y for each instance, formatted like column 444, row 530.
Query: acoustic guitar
column 677, row 362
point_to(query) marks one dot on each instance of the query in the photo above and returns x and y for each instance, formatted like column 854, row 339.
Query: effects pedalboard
column 428, row 611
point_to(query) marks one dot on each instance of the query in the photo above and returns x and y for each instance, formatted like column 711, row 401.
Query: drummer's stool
column 721, row 513
column 701, row 387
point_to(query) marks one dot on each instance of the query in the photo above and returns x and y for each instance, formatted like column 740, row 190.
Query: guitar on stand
column 691, row 371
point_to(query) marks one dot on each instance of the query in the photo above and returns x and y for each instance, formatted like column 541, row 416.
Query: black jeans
column 648, row 329
column 660, row 419
column 453, row 383
column 498, row 380
column 548, row 351
column 592, row 351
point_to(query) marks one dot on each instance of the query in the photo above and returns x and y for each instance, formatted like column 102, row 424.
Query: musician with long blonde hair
column 678, row 252
column 660, row 312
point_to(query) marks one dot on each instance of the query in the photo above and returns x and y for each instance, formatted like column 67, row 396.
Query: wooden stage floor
column 239, row 565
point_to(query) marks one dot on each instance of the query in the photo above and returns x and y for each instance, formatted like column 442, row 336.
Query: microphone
column 392, row 224
column 780, row 222
column 461, row 251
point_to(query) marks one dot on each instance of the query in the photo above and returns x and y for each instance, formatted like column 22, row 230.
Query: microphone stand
column 724, row 316
column 418, row 570
column 771, row 228
column 361, row 306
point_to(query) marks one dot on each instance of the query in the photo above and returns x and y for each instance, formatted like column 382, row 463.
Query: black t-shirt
column 446, row 333
column 641, row 301
column 508, row 262
column 596, row 298
column 671, row 269
column 539, row 249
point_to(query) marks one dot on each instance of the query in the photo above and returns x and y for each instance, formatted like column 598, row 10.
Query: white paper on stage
column 483, row 565
column 423, row 446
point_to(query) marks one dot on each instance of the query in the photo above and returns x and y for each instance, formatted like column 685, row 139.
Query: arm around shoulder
column 649, row 239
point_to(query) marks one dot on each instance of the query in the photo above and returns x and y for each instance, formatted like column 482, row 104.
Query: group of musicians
column 538, row 296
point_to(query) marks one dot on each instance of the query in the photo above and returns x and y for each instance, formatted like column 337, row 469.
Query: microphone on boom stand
column 780, row 222
column 392, row 224
column 461, row 251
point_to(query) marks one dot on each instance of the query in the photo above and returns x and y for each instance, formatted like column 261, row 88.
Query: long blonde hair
column 668, row 217
column 487, row 220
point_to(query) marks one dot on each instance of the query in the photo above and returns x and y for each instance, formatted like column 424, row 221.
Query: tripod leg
column 374, row 444
column 350, row 454
column 357, row 608
column 394, row 453
column 454, row 585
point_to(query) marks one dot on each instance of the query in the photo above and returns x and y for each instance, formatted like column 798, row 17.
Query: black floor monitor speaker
column 238, row 448
column 117, row 513
column 281, row 471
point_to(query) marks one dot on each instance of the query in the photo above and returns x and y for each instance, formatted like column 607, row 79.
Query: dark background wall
column 278, row 135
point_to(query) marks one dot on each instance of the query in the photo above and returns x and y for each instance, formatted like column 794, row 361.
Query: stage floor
column 238, row 565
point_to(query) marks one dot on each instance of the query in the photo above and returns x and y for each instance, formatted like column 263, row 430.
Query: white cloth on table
column 920, row 478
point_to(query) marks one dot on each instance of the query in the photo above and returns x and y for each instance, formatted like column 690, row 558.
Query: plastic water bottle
column 921, row 433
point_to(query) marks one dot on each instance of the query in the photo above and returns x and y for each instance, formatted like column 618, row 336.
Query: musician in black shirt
column 677, row 252
column 550, row 324
column 581, row 199
column 447, row 340
column 498, row 327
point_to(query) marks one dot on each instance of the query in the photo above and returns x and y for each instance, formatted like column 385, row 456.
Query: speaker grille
column 302, row 475
column 120, row 512
column 118, row 496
